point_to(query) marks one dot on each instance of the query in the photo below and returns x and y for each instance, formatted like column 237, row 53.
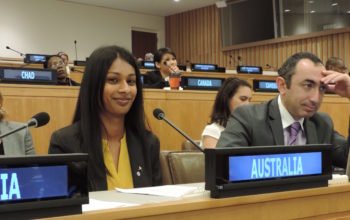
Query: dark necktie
column 294, row 130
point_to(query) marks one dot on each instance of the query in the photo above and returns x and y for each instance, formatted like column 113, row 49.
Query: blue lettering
column 14, row 188
column 204, row 82
column 278, row 167
column 273, row 166
column 28, row 75
column 300, row 166
column 267, row 167
column 261, row 168
column 4, row 195
column 254, row 173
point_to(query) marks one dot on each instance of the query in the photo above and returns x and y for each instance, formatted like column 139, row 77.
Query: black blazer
column 154, row 79
column 261, row 125
column 144, row 160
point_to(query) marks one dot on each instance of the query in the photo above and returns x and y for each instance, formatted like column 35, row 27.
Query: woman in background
column 233, row 93
column 109, row 125
column 18, row 143
column 165, row 63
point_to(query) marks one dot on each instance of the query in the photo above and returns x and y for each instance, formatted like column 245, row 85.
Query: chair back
column 164, row 165
column 188, row 146
column 186, row 167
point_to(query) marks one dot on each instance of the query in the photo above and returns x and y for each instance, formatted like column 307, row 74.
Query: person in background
column 18, row 143
column 64, row 57
column 292, row 118
column 56, row 63
column 165, row 63
column 336, row 64
column 109, row 125
column 149, row 57
column 233, row 93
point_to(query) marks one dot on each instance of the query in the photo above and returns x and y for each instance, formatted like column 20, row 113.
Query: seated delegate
column 165, row 63
column 109, row 125
column 233, row 93
column 18, row 143
column 55, row 62
column 291, row 118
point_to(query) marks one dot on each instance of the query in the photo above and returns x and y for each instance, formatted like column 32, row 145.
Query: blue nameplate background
column 28, row 74
column 242, row 168
column 267, row 85
column 33, row 183
column 205, row 82
column 204, row 67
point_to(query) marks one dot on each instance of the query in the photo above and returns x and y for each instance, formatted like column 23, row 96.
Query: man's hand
column 338, row 83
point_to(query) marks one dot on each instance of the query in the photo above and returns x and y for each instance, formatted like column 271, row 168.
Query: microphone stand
column 9, row 48
column 13, row 131
column 182, row 133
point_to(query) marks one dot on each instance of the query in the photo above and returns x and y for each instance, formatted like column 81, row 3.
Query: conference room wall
column 199, row 41
column 50, row 26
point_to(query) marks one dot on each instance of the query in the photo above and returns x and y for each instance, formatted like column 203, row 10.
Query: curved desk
column 189, row 110
column 317, row 203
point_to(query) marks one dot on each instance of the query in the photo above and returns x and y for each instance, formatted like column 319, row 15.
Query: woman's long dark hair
column 221, row 109
column 90, row 103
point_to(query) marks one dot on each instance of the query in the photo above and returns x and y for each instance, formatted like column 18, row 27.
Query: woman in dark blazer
column 165, row 63
column 109, row 117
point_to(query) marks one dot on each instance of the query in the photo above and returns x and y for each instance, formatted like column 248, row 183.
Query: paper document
column 95, row 205
column 175, row 191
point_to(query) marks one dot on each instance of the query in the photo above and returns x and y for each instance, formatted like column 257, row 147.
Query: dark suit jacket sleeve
column 156, row 170
column 340, row 150
column 238, row 131
column 56, row 144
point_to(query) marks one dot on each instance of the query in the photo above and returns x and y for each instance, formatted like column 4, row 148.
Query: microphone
column 37, row 120
column 76, row 52
column 9, row 48
column 76, row 70
column 169, row 67
column 159, row 114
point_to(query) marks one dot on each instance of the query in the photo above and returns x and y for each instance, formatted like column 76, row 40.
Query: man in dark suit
column 292, row 117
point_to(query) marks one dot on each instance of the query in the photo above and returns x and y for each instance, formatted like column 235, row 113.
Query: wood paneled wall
column 196, row 36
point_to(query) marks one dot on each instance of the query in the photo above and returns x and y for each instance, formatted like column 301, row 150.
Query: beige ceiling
column 150, row 7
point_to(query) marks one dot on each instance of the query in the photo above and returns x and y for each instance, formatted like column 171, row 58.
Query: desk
column 189, row 110
column 77, row 74
column 320, row 203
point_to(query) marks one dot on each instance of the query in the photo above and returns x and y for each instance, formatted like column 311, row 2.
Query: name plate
column 254, row 170
column 42, row 186
column 200, row 83
column 269, row 166
column 265, row 86
column 33, row 183
column 148, row 65
column 35, row 58
column 31, row 76
column 249, row 69
column 204, row 67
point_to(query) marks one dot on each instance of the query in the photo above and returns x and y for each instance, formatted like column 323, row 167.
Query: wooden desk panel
column 189, row 110
column 318, row 203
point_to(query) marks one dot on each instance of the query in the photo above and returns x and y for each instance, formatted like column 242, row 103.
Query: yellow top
column 121, row 178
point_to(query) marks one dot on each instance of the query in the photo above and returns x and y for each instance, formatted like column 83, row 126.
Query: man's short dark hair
column 288, row 68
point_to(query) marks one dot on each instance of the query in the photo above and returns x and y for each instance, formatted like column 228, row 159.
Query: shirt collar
column 286, row 117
